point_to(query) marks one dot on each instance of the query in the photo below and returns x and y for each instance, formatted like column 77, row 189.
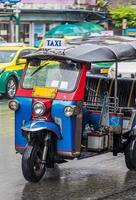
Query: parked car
column 11, row 66
column 103, row 68
column 126, row 69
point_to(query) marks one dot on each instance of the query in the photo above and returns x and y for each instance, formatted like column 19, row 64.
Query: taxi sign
column 56, row 43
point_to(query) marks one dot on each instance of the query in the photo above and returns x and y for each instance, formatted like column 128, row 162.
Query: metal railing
column 95, row 103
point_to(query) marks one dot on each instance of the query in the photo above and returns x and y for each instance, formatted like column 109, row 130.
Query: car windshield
column 7, row 56
column 61, row 75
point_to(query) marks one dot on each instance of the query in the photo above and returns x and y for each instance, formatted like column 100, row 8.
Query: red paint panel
column 47, row 103
column 23, row 92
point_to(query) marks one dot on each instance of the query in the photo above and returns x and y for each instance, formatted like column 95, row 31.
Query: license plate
column 104, row 71
column 44, row 92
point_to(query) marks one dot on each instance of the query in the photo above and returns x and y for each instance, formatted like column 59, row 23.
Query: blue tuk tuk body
column 65, row 144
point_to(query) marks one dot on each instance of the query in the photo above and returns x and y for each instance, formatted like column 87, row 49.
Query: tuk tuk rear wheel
column 130, row 155
column 32, row 167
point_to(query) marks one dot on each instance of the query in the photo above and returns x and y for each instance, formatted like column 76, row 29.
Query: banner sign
column 103, row 33
column 65, row 2
column 130, row 32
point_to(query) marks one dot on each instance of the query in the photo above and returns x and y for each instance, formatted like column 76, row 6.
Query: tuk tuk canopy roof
column 89, row 53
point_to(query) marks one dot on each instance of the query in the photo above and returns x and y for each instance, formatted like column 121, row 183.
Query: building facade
column 29, row 20
column 32, row 18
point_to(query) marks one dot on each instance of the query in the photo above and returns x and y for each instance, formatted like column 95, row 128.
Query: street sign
column 9, row 1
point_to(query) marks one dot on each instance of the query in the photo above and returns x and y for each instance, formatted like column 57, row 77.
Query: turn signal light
column 13, row 105
column 72, row 110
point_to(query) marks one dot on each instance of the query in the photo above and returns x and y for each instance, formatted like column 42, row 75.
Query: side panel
column 114, row 119
column 22, row 115
column 67, row 125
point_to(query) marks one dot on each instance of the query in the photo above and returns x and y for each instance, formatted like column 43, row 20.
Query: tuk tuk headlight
column 69, row 111
column 13, row 104
column 39, row 108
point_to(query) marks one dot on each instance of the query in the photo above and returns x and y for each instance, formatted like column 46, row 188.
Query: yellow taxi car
column 11, row 66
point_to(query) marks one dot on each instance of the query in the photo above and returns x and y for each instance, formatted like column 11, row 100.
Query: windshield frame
column 59, row 90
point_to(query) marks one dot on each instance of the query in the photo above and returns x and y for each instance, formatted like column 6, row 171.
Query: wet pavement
column 102, row 177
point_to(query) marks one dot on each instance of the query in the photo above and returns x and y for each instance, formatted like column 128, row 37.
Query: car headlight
column 2, row 69
column 111, row 73
column 13, row 104
column 39, row 108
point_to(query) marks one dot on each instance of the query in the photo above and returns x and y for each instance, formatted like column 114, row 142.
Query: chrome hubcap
column 11, row 88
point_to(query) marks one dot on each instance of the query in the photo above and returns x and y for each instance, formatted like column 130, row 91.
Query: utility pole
column 124, row 26
column 17, row 19
column 12, row 29
column 12, row 5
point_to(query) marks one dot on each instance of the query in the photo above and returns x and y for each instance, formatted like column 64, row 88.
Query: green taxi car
column 11, row 66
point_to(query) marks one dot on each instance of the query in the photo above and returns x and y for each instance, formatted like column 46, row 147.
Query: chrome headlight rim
column 13, row 104
column 42, row 112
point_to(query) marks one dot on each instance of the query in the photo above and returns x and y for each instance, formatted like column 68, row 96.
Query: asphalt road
column 102, row 177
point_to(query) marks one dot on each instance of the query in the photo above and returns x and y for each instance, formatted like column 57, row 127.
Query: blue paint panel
column 67, row 123
column 33, row 125
column 23, row 114
column 113, row 120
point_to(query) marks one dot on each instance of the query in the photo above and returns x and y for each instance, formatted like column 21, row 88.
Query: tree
column 122, row 12
column 102, row 3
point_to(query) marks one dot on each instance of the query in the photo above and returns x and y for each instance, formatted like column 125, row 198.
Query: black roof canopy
column 89, row 53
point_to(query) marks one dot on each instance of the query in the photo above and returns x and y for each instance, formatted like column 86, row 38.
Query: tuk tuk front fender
column 33, row 126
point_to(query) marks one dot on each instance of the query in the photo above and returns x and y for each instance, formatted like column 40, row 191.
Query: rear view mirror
column 21, row 61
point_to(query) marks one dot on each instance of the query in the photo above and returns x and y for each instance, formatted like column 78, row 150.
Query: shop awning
column 75, row 29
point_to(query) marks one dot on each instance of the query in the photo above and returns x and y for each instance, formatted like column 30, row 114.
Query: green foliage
column 101, row 3
column 120, row 13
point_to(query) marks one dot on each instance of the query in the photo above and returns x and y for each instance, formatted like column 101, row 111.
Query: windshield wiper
column 39, row 68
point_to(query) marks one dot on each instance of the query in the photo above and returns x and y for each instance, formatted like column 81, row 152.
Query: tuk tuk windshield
column 62, row 75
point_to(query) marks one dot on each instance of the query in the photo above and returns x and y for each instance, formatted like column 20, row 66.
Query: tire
column 11, row 87
column 32, row 167
column 130, row 155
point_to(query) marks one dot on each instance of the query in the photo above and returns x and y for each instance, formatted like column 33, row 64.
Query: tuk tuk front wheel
column 32, row 166
column 130, row 155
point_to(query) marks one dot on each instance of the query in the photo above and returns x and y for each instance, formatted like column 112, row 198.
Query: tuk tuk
column 58, row 115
